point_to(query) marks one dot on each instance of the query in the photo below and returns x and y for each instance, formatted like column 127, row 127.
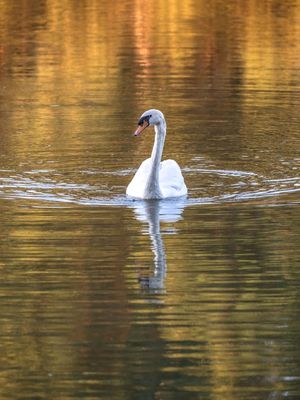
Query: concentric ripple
column 206, row 186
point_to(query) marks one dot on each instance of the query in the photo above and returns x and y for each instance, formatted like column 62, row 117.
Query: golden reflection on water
column 231, row 295
column 161, row 34
column 158, row 53
column 74, row 77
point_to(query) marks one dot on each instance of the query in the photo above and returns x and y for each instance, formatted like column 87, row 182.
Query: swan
column 156, row 179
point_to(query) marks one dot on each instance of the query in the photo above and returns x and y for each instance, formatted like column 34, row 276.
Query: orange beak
column 141, row 128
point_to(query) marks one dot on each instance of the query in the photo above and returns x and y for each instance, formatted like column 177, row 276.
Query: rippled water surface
column 104, row 297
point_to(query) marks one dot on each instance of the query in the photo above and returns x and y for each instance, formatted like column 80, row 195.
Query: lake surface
column 104, row 297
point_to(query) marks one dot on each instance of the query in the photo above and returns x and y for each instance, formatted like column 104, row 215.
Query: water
column 106, row 297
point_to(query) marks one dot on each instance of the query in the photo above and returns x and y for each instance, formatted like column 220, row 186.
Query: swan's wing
column 171, row 180
column 137, row 186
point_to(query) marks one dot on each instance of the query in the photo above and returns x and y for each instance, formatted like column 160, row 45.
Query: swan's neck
column 152, row 186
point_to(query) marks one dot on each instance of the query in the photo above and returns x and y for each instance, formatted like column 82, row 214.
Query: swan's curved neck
column 152, row 186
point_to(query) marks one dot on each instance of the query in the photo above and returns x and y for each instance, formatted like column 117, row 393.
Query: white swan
column 156, row 179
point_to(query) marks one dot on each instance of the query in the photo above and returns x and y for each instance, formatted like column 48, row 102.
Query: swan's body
column 156, row 179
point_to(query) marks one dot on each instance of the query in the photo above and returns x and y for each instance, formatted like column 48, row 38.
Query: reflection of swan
column 155, row 179
column 153, row 212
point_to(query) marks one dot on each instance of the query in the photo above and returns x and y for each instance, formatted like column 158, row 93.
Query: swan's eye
column 143, row 119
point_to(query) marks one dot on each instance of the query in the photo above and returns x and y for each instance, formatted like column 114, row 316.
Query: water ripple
column 228, row 186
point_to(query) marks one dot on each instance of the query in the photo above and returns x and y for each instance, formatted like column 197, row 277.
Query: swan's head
column 150, row 117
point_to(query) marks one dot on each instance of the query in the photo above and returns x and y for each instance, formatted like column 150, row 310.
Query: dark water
column 102, row 297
